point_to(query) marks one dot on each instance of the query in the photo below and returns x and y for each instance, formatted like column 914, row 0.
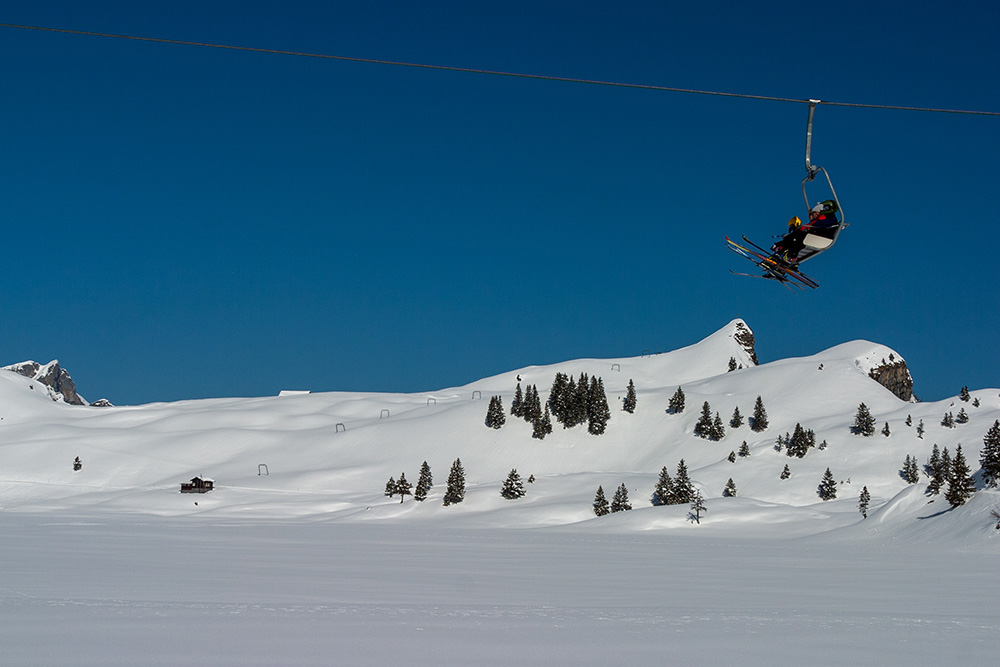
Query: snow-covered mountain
column 58, row 382
column 329, row 455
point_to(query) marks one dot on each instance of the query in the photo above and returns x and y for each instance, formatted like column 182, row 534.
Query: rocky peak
column 60, row 384
column 744, row 336
column 894, row 376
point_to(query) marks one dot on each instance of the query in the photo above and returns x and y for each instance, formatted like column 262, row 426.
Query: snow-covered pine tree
column 961, row 486
column 732, row 364
column 557, row 396
column 864, row 422
column 935, row 469
column 964, row 394
column 628, row 405
column 698, row 506
column 663, row 492
column 732, row 457
column 758, row 422
column 455, row 492
column 598, row 412
column 737, row 419
column 532, row 404
column 424, row 483
column 744, row 450
column 517, row 405
column 786, row 473
column 910, row 473
column 703, row 427
column 989, row 458
column 909, row 420
column 601, row 506
column 495, row 417
column 512, row 488
column 543, row 425
column 567, row 408
column 718, row 431
column 390, row 487
column 798, row 445
column 920, row 429
column 620, row 503
column 962, row 417
column 863, row 501
column 730, row 489
column 948, row 421
column 683, row 488
column 827, row 489
column 581, row 400
column 403, row 487
column 676, row 404
column 885, row 430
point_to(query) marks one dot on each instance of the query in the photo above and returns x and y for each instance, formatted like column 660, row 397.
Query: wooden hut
column 198, row 485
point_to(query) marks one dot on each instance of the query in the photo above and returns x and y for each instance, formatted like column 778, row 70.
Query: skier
column 822, row 226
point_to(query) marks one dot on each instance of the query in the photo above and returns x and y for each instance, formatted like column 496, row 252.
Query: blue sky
column 187, row 222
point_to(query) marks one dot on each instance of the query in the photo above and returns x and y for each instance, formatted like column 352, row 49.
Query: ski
column 774, row 269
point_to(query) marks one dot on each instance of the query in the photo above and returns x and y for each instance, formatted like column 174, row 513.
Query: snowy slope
column 328, row 455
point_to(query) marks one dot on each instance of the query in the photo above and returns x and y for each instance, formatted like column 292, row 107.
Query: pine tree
column 543, row 425
column 863, row 501
column 718, row 431
column 786, row 473
column 744, row 450
column 620, row 503
column 732, row 364
column 567, row 400
column 601, row 506
column 730, row 490
column 737, row 419
column 920, row 429
column 390, row 487
column 885, row 430
column 532, row 407
column 758, row 422
column 864, row 422
column 512, row 488
column 455, row 492
column 557, row 397
column 424, row 483
column 676, row 404
column 683, row 488
column 910, row 473
column 964, row 394
column 909, row 420
column 732, row 457
column 703, row 428
column 403, row 487
column 827, row 487
column 581, row 400
column 962, row 417
column 698, row 506
column 800, row 442
column 989, row 459
column 517, row 405
column 663, row 492
column 961, row 486
column 948, row 421
column 495, row 417
column 936, row 470
column 598, row 413
column 628, row 405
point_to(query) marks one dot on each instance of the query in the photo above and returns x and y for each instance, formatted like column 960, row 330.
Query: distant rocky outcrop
column 60, row 384
column 744, row 336
column 894, row 376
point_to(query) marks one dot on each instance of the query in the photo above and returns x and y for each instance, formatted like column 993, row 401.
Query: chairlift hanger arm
column 810, row 169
